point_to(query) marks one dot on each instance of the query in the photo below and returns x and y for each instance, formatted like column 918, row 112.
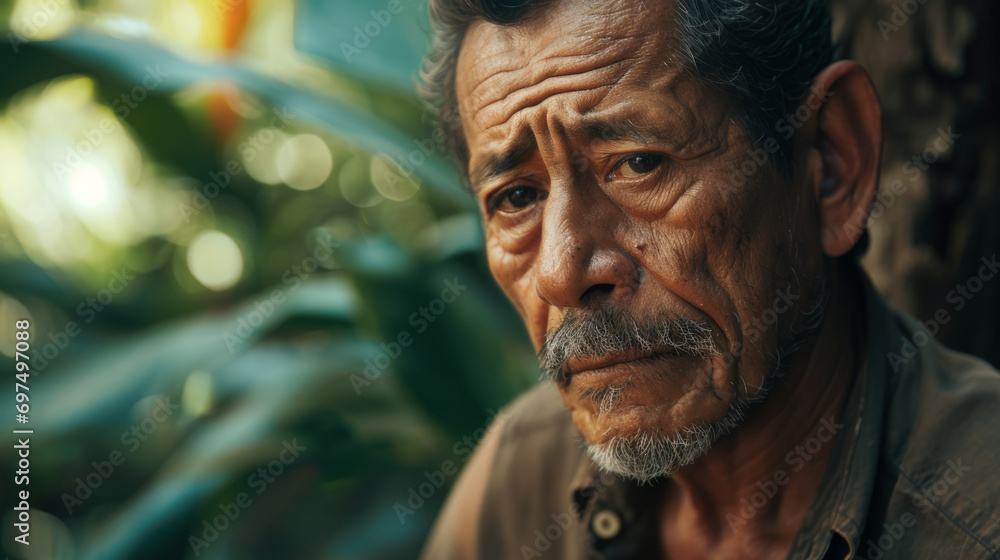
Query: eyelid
column 621, row 161
column 492, row 195
column 495, row 199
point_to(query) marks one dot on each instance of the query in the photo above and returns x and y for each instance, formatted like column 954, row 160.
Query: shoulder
column 949, row 400
column 531, row 484
column 943, row 430
column 538, row 444
column 519, row 473
column 535, row 414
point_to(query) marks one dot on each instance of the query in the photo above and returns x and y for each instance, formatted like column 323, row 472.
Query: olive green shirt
column 914, row 472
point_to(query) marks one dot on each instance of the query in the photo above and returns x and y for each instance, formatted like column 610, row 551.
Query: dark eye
column 637, row 165
column 514, row 199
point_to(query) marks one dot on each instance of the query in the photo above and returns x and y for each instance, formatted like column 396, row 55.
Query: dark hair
column 763, row 54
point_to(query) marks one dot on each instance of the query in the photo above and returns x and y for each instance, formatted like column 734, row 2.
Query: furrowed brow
column 498, row 164
column 626, row 130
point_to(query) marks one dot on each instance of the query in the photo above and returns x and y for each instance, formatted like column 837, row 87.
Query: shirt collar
column 846, row 491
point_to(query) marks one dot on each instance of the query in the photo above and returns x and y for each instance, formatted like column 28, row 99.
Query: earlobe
column 848, row 141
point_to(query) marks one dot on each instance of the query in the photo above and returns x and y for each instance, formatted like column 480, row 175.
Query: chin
column 660, row 400
column 636, row 443
column 644, row 457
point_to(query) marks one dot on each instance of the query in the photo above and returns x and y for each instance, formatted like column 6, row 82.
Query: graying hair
column 763, row 54
column 592, row 333
column 643, row 456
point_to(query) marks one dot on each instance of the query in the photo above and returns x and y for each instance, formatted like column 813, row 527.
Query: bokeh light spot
column 356, row 184
column 389, row 182
column 197, row 396
column 215, row 260
column 304, row 162
column 87, row 185
column 259, row 154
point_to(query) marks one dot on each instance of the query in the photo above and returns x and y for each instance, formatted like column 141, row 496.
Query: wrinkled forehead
column 567, row 46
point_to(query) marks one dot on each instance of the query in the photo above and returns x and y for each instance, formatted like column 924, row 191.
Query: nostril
column 597, row 293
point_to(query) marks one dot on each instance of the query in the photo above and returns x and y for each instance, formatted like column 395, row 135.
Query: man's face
column 605, row 174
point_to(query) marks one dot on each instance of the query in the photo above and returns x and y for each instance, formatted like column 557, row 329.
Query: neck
column 757, row 484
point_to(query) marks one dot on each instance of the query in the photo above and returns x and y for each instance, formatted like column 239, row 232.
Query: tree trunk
column 935, row 237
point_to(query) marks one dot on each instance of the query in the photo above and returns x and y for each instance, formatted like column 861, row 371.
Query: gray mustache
column 592, row 333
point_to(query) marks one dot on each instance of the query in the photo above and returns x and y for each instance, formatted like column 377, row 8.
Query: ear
column 846, row 148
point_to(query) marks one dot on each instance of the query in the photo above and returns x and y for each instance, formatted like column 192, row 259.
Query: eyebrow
column 521, row 150
column 507, row 160
column 627, row 130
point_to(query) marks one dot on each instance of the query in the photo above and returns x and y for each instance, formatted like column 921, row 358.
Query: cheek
column 654, row 198
column 752, row 258
column 512, row 269
column 689, row 254
column 718, row 250
column 514, row 273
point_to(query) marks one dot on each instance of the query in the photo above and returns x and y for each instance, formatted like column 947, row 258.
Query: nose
column 580, row 263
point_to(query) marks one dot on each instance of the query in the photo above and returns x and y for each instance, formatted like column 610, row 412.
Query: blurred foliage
column 185, row 333
column 220, row 214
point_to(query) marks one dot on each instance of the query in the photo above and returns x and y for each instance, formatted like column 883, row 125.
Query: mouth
column 610, row 364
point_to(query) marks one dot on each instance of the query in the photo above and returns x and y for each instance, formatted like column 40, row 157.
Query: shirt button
column 606, row 524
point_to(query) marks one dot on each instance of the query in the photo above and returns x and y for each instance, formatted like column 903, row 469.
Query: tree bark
column 934, row 231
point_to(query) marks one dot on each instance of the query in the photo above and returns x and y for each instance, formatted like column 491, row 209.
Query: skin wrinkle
column 556, row 147
column 516, row 35
column 496, row 80
column 519, row 150
column 708, row 145
column 527, row 96
column 473, row 97
column 687, row 119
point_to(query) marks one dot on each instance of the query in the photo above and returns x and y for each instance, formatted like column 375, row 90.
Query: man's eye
column 514, row 199
column 637, row 166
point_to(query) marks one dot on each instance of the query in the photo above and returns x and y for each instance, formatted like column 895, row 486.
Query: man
column 674, row 194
